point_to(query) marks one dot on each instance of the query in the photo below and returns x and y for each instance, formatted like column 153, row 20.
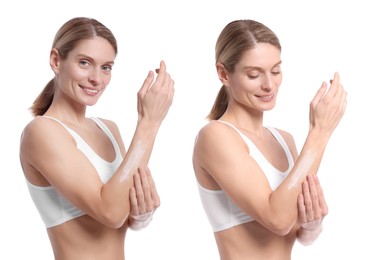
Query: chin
column 90, row 103
column 268, row 107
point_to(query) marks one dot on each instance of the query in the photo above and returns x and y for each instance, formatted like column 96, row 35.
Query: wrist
column 309, row 232
column 317, row 141
column 318, row 135
column 311, row 226
column 138, row 222
column 147, row 126
column 143, row 217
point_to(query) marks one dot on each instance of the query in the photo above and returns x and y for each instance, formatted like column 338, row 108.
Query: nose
column 95, row 76
column 267, row 83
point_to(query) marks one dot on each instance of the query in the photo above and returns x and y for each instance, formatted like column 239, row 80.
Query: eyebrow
column 258, row 68
column 91, row 59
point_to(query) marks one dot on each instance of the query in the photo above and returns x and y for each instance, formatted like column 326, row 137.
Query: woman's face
column 86, row 72
column 256, row 79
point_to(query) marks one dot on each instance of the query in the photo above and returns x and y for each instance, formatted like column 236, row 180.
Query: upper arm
column 223, row 154
column 51, row 151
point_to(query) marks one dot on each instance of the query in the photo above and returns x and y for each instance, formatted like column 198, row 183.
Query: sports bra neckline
column 103, row 127
column 277, row 136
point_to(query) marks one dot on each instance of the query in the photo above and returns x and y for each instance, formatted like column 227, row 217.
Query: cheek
column 106, row 79
column 80, row 74
column 76, row 74
column 278, row 81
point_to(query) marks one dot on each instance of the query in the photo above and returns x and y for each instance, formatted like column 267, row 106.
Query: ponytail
column 220, row 104
column 235, row 39
column 44, row 100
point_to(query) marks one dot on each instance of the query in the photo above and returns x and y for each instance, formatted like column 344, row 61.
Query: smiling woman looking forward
column 86, row 186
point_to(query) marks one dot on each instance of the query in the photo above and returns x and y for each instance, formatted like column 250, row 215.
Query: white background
column 317, row 37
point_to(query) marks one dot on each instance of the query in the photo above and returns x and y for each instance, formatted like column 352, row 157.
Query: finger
column 334, row 91
column 334, row 88
column 167, row 81
column 146, row 189
column 322, row 202
column 133, row 202
column 319, row 94
column 172, row 88
column 317, row 214
column 340, row 96
column 340, row 93
column 161, row 76
column 307, row 201
column 146, row 84
column 154, row 194
column 143, row 90
column 301, row 209
column 139, row 193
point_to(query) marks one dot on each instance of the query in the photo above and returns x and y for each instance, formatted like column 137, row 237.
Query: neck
column 68, row 113
column 248, row 122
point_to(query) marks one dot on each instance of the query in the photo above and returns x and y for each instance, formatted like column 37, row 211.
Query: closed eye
column 254, row 76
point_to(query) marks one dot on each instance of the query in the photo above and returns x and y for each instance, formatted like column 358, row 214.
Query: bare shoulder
column 40, row 131
column 41, row 140
column 39, row 127
column 215, row 129
column 216, row 136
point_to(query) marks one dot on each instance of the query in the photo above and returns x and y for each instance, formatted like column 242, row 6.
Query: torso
column 83, row 237
column 248, row 241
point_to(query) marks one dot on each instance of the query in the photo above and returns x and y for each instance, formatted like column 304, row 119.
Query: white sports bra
column 53, row 208
column 221, row 211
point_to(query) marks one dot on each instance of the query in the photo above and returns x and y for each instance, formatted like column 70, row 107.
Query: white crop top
column 221, row 211
column 53, row 208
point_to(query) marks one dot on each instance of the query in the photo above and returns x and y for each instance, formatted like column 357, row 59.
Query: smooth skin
column 221, row 159
column 49, row 155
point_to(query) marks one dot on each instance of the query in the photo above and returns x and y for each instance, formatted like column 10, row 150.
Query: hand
column 155, row 98
column 144, row 199
column 143, row 196
column 312, row 208
column 328, row 107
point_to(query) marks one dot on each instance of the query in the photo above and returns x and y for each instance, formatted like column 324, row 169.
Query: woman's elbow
column 281, row 231
column 281, row 228
column 113, row 219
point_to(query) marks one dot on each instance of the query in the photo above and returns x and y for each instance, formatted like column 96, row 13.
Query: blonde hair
column 236, row 38
column 66, row 39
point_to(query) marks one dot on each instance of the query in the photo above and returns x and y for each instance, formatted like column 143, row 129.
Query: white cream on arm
column 133, row 161
column 302, row 169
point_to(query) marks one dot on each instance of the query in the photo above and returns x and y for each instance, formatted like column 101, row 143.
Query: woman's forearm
column 283, row 200
column 115, row 193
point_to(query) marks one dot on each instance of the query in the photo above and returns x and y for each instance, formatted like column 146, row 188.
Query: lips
column 266, row 97
column 90, row 91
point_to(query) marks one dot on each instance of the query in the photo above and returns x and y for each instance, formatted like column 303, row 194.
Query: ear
column 222, row 74
column 55, row 60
